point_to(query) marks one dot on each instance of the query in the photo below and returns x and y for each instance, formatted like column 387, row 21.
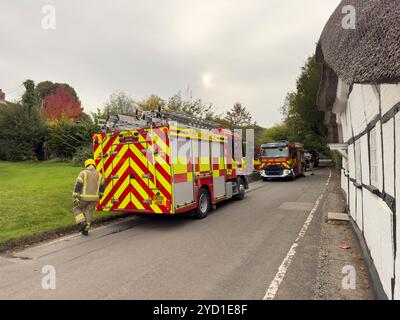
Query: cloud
column 225, row 51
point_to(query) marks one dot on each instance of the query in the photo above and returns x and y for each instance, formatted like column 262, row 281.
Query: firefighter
column 309, row 161
column 89, row 187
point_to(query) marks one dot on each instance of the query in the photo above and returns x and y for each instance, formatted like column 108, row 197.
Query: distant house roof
column 370, row 53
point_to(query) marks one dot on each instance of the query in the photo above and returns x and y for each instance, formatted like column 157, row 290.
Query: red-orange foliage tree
column 61, row 103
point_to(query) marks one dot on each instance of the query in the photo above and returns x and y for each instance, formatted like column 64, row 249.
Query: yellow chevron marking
column 151, row 183
column 123, row 186
column 140, row 190
column 125, row 202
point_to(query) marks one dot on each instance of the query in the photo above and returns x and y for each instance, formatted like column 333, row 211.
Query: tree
column 239, row 117
column 61, row 103
column 29, row 98
column 119, row 103
column 275, row 133
column 193, row 107
column 152, row 102
column 45, row 88
column 22, row 131
column 304, row 122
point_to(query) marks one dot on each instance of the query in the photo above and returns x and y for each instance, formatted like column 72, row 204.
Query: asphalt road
column 234, row 253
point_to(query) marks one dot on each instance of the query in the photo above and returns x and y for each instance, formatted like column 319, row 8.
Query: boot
column 85, row 231
column 82, row 227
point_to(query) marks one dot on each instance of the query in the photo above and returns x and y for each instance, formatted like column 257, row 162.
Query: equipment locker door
column 143, row 178
column 182, row 167
column 217, row 151
column 120, row 176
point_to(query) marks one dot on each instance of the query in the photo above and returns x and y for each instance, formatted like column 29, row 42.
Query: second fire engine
column 281, row 159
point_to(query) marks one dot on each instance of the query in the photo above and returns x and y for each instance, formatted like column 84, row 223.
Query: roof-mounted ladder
column 143, row 119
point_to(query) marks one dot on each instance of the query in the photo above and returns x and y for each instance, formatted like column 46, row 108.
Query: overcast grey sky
column 224, row 50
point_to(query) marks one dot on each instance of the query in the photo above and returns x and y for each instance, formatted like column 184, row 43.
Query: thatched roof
column 370, row 53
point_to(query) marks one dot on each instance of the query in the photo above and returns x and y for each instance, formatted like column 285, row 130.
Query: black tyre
column 265, row 179
column 203, row 204
column 242, row 191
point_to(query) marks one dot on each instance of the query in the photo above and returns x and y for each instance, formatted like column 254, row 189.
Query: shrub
column 22, row 133
column 337, row 160
column 81, row 154
column 65, row 138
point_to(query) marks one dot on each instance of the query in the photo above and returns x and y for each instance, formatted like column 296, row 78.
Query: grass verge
column 36, row 201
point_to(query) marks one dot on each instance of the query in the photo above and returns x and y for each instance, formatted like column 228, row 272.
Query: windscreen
column 275, row 152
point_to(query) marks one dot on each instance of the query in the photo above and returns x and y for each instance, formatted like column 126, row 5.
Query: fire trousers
column 84, row 211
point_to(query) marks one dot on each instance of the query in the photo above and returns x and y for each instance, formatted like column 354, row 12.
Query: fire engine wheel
column 242, row 191
column 203, row 204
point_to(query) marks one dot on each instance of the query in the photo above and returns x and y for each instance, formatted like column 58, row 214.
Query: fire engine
column 163, row 162
column 281, row 159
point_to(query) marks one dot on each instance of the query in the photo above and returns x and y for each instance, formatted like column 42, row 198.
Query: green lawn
column 35, row 197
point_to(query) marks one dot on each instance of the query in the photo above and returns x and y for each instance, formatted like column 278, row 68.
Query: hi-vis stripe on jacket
column 89, row 185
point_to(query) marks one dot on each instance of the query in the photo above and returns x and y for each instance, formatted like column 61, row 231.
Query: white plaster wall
column 364, row 105
column 390, row 96
column 352, row 201
column 397, row 185
column 367, row 209
column 371, row 102
column 351, row 163
column 378, row 235
column 364, row 160
column 388, row 149
column 379, row 156
column 345, row 130
column 359, row 208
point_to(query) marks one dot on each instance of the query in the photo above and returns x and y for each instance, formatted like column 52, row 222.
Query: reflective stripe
column 84, row 182
column 79, row 218
column 89, row 196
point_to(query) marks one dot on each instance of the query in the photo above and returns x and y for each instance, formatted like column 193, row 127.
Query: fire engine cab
column 167, row 163
column 281, row 159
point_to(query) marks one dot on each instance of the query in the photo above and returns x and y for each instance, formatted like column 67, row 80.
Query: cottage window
column 373, row 157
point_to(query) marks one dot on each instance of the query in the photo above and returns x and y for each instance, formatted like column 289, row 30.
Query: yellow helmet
column 89, row 162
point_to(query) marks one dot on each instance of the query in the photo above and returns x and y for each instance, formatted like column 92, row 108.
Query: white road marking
column 274, row 286
column 72, row 236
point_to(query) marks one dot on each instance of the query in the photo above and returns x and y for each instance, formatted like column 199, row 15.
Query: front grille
column 274, row 167
column 274, row 173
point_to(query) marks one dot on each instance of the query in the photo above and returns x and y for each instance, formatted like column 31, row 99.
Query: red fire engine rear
column 168, row 169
